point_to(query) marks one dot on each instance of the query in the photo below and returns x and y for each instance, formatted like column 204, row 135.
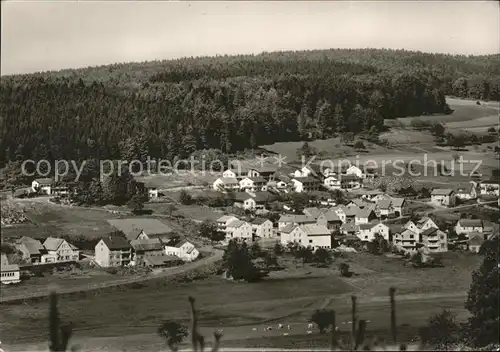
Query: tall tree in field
column 302, row 120
column 338, row 122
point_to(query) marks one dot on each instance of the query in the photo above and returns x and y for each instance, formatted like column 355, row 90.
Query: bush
column 323, row 318
column 344, row 270
column 185, row 198
column 441, row 330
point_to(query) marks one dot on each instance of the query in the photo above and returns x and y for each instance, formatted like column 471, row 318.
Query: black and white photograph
column 249, row 175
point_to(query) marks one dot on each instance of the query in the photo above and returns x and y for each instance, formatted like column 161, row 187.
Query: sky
column 42, row 35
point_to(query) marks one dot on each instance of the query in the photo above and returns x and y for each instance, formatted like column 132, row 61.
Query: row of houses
column 235, row 228
column 147, row 242
column 52, row 250
column 472, row 190
column 9, row 273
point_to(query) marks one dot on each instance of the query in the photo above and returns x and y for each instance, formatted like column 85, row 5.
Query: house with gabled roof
column 292, row 233
column 142, row 228
column 9, row 273
column 475, row 242
column 368, row 231
column 253, row 184
column 262, row 228
column 184, row 250
column 339, row 210
column 443, row 197
column 145, row 247
column 466, row 226
column 350, row 182
column 490, row 187
column 252, row 201
column 348, row 228
column 435, row 240
column 332, row 182
column 42, row 185
column 223, row 221
column 113, row 251
column 239, row 230
column 60, row 250
column 318, row 236
column 424, row 224
column 384, row 208
column 406, row 240
column 330, row 219
column 356, row 171
column 466, row 191
column 364, row 215
column 306, row 184
column 32, row 250
column 226, row 184
column 399, row 206
column 313, row 212
column 284, row 220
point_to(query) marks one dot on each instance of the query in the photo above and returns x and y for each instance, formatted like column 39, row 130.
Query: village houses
column 59, row 250
column 349, row 182
column 435, row 240
column 42, row 185
column 285, row 220
column 253, row 184
column 31, row 249
column 466, row 226
column 443, row 196
column 226, row 184
column 308, row 235
column 223, row 221
column 332, row 182
column 490, row 187
column 367, row 232
column 305, row 184
column 407, row 240
column 184, row 250
column 252, row 201
column 330, row 219
column 262, row 228
column 239, row 229
column 365, row 215
column 142, row 248
column 113, row 251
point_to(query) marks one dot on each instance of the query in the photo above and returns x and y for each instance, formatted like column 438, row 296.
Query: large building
column 443, row 196
column 137, row 228
column 113, row 251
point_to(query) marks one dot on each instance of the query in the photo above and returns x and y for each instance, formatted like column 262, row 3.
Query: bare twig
column 392, row 292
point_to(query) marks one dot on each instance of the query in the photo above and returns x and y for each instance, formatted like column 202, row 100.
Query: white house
column 59, row 250
column 340, row 213
column 425, row 223
column 350, row 182
column 292, row 233
column 223, row 221
column 42, row 185
column 367, row 232
column 435, row 240
column 9, row 273
column 466, row 191
column 112, row 251
column 384, row 208
column 224, row 184
column 262, row 228
column 142, row 228
column 305, row 184
column 304, row 172
column 399, row 206
column 467, row 226
column 238, row 229
column 406, row 240
column 490, row 187
column 331, row 182
column 443, row 197
column 253, row 184
column 184, row 250
column 229, row 174
column 354, row 170
column 370, row 194
column 152, row 192
column 365, row 215
column 318, row 236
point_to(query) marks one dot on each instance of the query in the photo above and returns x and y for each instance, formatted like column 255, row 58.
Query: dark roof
column 347, row 178
column 288, row 228
column 147, row 245
column 157, row 260
column 471, row 222
column 259, row 221
column 307, row 179
column 430, row 231
column 44, row 181
column 133, row 227
column 52, row 244
column 116, row 242
column 441, row 191
column 258, row 179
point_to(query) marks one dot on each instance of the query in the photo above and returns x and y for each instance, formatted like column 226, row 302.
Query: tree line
column 173, row 108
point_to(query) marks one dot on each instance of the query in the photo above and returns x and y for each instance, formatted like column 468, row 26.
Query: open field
column 181, row 179
column 238, row 307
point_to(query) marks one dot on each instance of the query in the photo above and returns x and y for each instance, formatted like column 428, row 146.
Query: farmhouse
column 9, row 273
column 137, row 228
column 262, row 228
column 466, row 191
column 32, row 250
column 306, row 171
column 142, row 248
column 425, row 223
column 490, row 187
column 59, row 250
column 305, row 184
column 410, row 225
column 253, row 184
column 251, row 201
column 466, row 226
column 435, row 240
column 318, row 236
column 42, row 185
column 285, row 220
column 238, row 229
column 384, row 208
column 406, row 240
column 367, row 232
column 113, row 251
column 443, row 197
column 266, row 171
column 184, row 250
column 230, row 173
column 399, row 206
column 225, row 184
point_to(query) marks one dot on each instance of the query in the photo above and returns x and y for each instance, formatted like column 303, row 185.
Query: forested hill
column 171, row 108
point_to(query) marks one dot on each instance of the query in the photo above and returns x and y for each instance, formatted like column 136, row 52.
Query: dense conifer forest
column 172, row 108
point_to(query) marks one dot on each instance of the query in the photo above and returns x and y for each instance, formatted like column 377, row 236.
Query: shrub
column 441, row 330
